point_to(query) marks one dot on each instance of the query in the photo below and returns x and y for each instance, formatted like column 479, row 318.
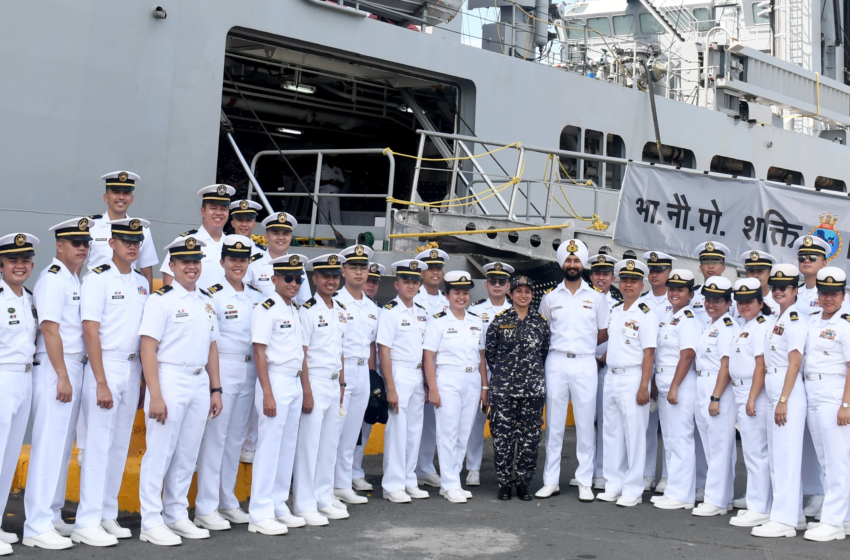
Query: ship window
column 592, row 145
column 569, row 143
column 732, row 166
column 785, row 176
column 624, row 25
column 600, row 25
column 761, row 14
column 575, row 29
column 614, row 173
column 701, row 15
column 650, row 26
column 679, row 157
column 827, row 184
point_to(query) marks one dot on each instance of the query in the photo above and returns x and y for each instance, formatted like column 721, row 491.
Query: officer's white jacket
column 630, row 332
column 432, row 304
column 698, row 305
column 17, row 336
column 233, row 311
column 117, row 302
column 660, row 304
column 487, row 310
column 183, row 322
column 610, row 301
column 57, row 299
column 747, row 344
column 828, row 345
column 784, row 334
column 361, row 318
column 100, row 252
column 323, row 333
column 575, row 319
column 260, row 274
column 211, row 270
column 457, row 342
column 278, row 326
column 678, row 331
column 715, row 343
column 402, row 330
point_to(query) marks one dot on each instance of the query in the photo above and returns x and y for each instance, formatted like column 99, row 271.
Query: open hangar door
column 312, row 100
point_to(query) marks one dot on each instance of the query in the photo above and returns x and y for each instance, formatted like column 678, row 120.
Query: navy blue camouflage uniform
column 516, row 351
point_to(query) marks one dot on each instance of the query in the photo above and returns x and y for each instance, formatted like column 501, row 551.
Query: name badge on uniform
column 117, row 295
column 451, row 331
column 13, row 317
column 181, row 316
column 284, row 325
column 233, row 314
column 697, row 305
column 263, row 278
column 75, row 296
column 322, row 322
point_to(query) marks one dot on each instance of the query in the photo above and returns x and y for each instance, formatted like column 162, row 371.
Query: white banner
column 674, row 211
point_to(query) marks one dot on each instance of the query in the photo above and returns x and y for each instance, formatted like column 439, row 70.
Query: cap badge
column 497, row 266
column 713, row 287
column 83, row 224
column 20, row 239
column 293, row 260
column 807, row 241
column 754, row 256
column 134, row 224
column 653, row 257
column 522, row 280
column 238, row 244
column 434, row 254
column 572, row 247
column 373, row 268
column 600, row 259
column 281, row 217
column 123, row 176
column 333, row 259
column 463, row 279
column 191, row 243
column 779, row 274
column 414, row 265
column 221, row 190
column 359, row 250
column 243, row 205
column 709, row 246
column 676, row 277
column 830, row 279
column 630, row 265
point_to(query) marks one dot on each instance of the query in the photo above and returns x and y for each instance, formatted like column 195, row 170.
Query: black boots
column 504, row 492
column 522, row 493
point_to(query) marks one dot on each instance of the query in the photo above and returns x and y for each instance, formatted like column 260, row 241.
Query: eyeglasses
column 779, row 288
column 497, row 281
column 77, row 244
column 129, row 244
column 711, row 261
column 655, row 269
column 290, row 279
column 810, row 258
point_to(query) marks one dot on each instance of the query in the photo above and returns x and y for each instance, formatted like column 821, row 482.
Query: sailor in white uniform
column 215, row 211
column 279, row 356
column 456, row 374
column 113, row 299
column 498, row 281
column 632, row 339
column 243, row 218
column 57, row 386
column 361, row 315
column 578, row 317
column 401, row 331
column 712, row 257
column 758, row 265
column 827, row 360
column 181, row 367
column 216, row 505
column 434, row 301
column 324, row 328
column 17, row 347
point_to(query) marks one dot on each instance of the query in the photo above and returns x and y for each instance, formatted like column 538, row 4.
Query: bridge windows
column 599, row 24
column 650, row 26
column 732, row 166
column 624, row 25
column 703, row 19
column 679, row 157
column 575, row 29
column 615, row 147
column 785, row 176
column 827, row 184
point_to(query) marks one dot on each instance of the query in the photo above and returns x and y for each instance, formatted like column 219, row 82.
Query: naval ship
column 495, row 128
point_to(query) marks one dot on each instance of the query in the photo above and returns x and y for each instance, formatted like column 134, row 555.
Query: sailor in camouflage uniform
column 516, row 349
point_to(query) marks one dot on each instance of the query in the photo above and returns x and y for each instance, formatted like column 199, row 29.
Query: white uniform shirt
column 17, row 335
column 630, row 332
column 233, row 311
column 57, row 299
column 771, row 303
column 828, row 346
column 323, row 333
column 660, row 304
column 457, row 342
column 807, row 300
column 610, row 301
column 278, row 326
column 679, row 331
column 100, row 252
column 747, row 344
column 361, row 317
column 260, row 274
column 211, row 270
column 117, row 302
column 487, row 310
column 183, row 322
column 575, row 319
column 402, row 330
column 698, row 306
column 714, row 343
column 784, row 335
column 432, row 304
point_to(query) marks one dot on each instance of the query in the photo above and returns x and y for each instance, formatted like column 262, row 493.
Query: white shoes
column 773, row 529
column 349, row 496
column 661, row 486
column 668, row 503
column 548, row 491
column 186, row 529
column 398, row 497
column 8, row 538
column 112, row 527
column 417, row 493
column 801, row 523
column 600, row 481
column 93, row 536
column 814, row 507
column 5, row 548
column 699, row 495
column 291, row 521
column 63, row 528
column 455, row 495
column 337, row 504
column 473, row 478
column 361, row 485
column 648, row 483
column 740, row 503
column 574, row 482
column 235, row 515
column 334, row 513
column 429, row 480
column 268, row 526
column 608, row 496
column 247, row 456
column 707, row 510
column 51, row 540
column 824, row 533
column 750, row 519
column 585, row 494
column 212, row 522
column 162, row 536
column 314, row 518
column 629, row 501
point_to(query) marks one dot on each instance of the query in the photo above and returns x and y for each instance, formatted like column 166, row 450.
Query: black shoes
column 504, row 492
column 523, row 494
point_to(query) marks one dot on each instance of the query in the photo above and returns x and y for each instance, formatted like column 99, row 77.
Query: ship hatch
column 309, row 100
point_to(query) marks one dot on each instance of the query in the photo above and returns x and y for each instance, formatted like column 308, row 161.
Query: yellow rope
column 460, row 158
column 500, row 230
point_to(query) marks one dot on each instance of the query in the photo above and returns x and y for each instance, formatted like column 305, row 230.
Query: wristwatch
column 343, row 385
column 216, row 390
column 845, row 405
column 715, row 399
column 783, row 400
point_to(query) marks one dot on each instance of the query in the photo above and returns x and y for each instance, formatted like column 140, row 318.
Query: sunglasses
column 290, row 279
column 497, row 281
column 78, row 244
column 655, row 269
column 779, row 288
column 129, row 244
column 810, row 258
column 711, row 261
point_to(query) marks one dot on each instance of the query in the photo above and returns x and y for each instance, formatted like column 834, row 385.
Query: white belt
column 174, row 368
column 457, row 369
column 630, row 369
column 124, row 356
column 741, row 382
column 75, row 357
column 707, row 372
column 572, row 354
column 284, row 371
column 408, row 365
column 775, row 370
column 228, row 357
column 16, row 367
column 324, row 374
column 820, row 376
column 356, row 361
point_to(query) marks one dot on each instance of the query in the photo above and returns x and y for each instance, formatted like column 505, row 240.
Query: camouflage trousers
column 515, row 425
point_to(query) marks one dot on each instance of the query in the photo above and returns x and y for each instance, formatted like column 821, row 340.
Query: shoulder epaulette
column 187, row 233
column 618, row 296
column 268, row 303
column 206, row 293
column 643, row 294
column 473, row 314
column 339, row 303
column 137, row 271
column 310, row 303
column 480, row 301
column 597, row 289
column 253, row 288
column 261, row 246
column 296, row 305
column 370, row 299
column 95, row 216
column 2, row 289
column 54, row 269
column 440, row 314
column 846, row 317
column 793, row 315
column 417, row 305
column 542, row 317
column 391, row 304
column 727, row 321
column 761, row 319
column 502, row 311
column 164, row 290
column 689, row 314
column 101, row 268
column 28, row 290
column 215, row 288
column 255, row 257
column 547, row 291
column 643, row 307
column 336, row 293
column 618, row 304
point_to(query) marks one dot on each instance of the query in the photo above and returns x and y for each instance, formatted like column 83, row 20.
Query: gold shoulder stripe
column 643, row 307
column 164, row 290
column 101, row 268
column 54, row 269
column 761, row 319
column 215, row 288
column 727, row 321
column 268, row 303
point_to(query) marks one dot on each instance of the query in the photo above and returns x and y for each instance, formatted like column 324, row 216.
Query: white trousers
column 678, row 422
column 172, row 447
column 754, row 434
column 475, row 447
column 253, row 432
column 460, row 395
column 275, row 455
column 702, row 462
column 355, row 400
column 600, row 424
column 812, row 473
column 625, row 433
column 404, row 431
column 718, row 439
column 427, row 442
column 357, row 464
column 107, row 440
column 652, row 435
column 315, row 451
column 570, row 379
column 221, row 446
column 785, row 448
column 826, row 395
column 15, row 403
column 52, row 441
